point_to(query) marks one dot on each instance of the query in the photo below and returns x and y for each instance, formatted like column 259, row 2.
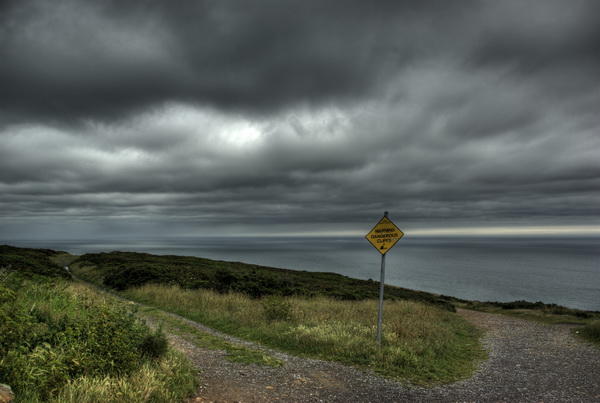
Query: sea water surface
column 559, row 270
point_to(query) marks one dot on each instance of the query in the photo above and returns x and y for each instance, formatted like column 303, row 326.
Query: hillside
column 60, row 340
column 32, row 262
column 122, row 270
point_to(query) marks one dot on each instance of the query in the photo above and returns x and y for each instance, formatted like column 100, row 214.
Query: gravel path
column 528, row 362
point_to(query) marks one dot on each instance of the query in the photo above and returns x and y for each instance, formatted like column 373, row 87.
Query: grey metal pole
column 381, row 287
column 381, row 290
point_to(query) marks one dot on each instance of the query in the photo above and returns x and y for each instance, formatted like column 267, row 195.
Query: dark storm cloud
column 185, row 115
column 533, row 37
column 71, row 59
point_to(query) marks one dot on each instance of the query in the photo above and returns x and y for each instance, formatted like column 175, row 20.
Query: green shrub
column 224, row 280
column 49, row 335
column 6, row 294
column 31, row 262
column 276, row 308
column 168, row 380
column 592, row 331
column 132, row 277
column 154, row 344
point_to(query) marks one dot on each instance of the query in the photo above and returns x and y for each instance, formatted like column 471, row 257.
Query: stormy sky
column 180, row 118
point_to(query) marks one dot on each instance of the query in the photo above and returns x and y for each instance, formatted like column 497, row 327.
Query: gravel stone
column 528, row 362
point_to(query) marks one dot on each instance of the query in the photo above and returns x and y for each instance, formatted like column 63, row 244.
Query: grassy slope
column 129, row 271
column 61, row 341
column 422, row 344
column 121, row 270
column 322, row 315
column 32, row 263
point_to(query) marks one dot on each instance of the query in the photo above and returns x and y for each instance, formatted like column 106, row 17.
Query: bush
column 154, row 344
column 276, row 309
column 31, row 263
column 132, row 277
column 224, row 280
column 592, row 331
column 6, row 294
column 49, row 336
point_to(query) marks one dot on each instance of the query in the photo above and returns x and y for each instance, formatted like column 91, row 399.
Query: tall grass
column 166, row 380
column 591, row 332
column 61, row 341
column 421, row 344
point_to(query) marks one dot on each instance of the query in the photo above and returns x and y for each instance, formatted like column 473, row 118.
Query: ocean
column 559, row 270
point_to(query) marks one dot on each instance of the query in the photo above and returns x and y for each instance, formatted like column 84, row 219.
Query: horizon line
column 565, row 230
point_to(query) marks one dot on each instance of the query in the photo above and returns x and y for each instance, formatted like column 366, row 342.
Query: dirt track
column 528, row 362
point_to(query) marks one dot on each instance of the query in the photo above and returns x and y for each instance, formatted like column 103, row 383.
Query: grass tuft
column 166, row 380
column 591, row 332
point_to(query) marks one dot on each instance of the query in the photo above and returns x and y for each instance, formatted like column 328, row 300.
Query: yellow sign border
column 388, row 241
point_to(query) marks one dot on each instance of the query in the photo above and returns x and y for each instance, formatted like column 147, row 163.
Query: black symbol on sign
column 382, row 247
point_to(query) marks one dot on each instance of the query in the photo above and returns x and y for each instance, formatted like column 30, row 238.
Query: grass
column 421, row 344
column 167, row 380
column 278, row 294
column 122, row 270
column 62, row 341
column 235, row 353
column 31, row 263
column 591, row 332
column 534, row 311
column 321, row 315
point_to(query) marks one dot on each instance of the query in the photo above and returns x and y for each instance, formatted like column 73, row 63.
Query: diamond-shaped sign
column 384, row 235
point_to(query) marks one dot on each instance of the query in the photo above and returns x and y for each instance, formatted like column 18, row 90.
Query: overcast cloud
column 286, row 117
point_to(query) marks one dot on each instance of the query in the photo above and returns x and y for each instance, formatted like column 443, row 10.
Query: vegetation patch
column 31, row 263
column 422, row 344
column 165, row 380
column 591, row 332
column 235, row 352
column 322, row 315
column 61, row 341
column 536, row 311
column 123, row 270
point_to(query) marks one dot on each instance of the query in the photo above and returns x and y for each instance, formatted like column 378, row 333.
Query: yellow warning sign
column 384, row 235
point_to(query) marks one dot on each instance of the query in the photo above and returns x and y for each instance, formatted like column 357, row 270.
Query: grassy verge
column 591, row 332
column 235, row 353
column 421, row 344
column 167, row 380
column 535, row 311
column 61, row 341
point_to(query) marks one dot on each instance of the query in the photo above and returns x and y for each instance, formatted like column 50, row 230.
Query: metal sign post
column 381, row 290
column 383, row 237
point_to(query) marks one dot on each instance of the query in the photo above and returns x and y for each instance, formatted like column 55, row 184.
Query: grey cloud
column 287, row 167
column 175, row 114
column 542, row 35
column 95, row 59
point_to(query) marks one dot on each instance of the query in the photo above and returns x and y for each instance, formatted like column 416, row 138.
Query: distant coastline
column 551, row 269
